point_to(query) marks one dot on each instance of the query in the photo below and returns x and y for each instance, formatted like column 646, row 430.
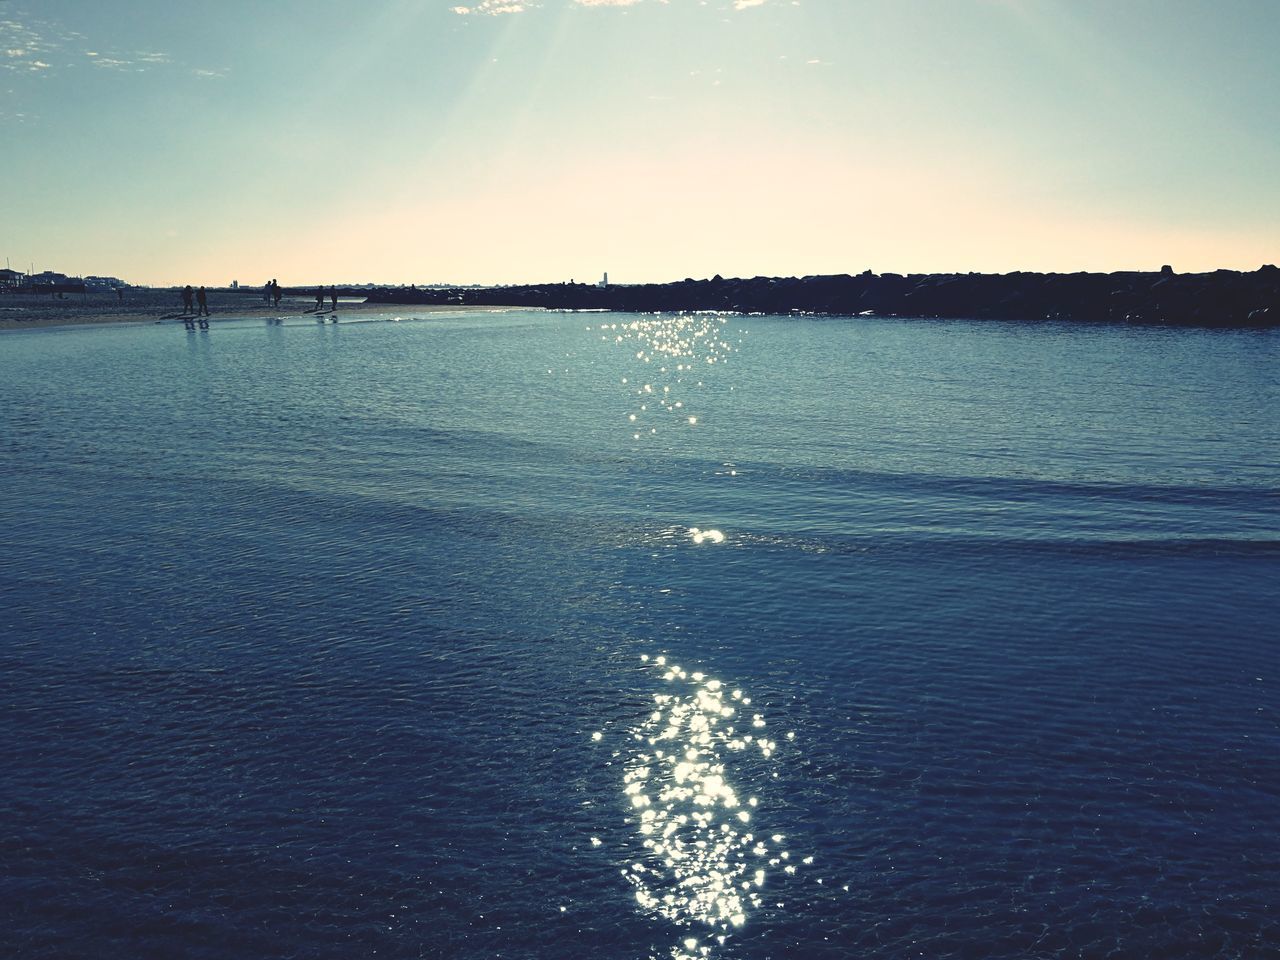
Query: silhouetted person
column 187, row 296
column 203, row 300
column 266, row 292
column 319, row 298
column 275, row 292
column 333, row 297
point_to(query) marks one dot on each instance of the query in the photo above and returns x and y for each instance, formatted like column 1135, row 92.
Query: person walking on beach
column 333, row 297
column 203, row 300
column 320, row 298
column 275, row 292
column 186, row 299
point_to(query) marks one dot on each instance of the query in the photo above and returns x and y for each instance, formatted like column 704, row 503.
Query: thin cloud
column 495, row 8
column 10, row 110
column 138, row 62
column 116, row 63
column 25, row 49
column 30, row 45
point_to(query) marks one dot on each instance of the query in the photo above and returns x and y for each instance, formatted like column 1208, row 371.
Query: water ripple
column 691, row 786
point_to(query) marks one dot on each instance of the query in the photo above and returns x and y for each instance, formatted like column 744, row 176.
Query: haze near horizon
column 497, row 141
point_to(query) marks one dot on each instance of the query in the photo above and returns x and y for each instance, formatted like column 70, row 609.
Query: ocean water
column 864, row 638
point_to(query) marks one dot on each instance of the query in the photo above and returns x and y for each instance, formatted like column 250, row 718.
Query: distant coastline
column 1223, row 298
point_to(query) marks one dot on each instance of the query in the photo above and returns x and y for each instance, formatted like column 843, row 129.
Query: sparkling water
column 598, row 635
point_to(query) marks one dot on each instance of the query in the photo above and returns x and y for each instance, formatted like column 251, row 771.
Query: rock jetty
column 1223, row 298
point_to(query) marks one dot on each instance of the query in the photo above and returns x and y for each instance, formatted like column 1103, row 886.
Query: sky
column 511, row 141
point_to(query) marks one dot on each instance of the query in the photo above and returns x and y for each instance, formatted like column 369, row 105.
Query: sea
column 591, row 635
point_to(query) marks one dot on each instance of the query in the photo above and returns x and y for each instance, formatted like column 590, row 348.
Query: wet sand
column 23, row 312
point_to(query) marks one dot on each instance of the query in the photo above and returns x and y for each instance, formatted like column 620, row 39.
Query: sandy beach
column 149, row 305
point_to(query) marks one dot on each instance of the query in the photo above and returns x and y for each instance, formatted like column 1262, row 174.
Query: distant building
column 604, row 281
column 50, row 281
column 104, row 283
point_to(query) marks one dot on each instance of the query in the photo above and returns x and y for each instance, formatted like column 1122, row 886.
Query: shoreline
column 146, row 307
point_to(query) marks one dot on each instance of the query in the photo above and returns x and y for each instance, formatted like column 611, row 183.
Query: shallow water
column 344, row 640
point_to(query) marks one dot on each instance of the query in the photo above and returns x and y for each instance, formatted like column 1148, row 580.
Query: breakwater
column 1219, row 298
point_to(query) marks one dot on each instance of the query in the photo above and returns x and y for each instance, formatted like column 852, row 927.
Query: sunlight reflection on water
column 670, row 348
column 691, row 763
column 690, row 795
column 705, row 536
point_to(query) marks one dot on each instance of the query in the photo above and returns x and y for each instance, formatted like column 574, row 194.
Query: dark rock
column 1220, row 298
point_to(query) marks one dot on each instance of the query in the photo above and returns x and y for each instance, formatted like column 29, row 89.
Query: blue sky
column 481, row 141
